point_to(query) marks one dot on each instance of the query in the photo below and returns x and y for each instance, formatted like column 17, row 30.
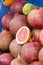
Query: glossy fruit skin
column 5, row 39
column 40, row 55
column 29, row 52
column 40, row 37
column 17, row 22
column 5, row 59
column 35, row 18
column 36, row 63
column 6, row 20
column 14, row 48
column 17, row 6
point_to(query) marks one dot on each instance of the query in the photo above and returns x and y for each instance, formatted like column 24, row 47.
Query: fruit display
column 21, row 39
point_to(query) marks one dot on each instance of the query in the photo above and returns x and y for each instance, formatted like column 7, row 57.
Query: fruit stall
column 21, row 32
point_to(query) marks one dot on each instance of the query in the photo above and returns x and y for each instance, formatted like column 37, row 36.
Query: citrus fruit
column 27, row 8
column 23, row 35
column 8, row 2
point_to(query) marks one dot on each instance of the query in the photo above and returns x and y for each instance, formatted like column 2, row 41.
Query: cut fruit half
column 23, row 35
column 8, row 2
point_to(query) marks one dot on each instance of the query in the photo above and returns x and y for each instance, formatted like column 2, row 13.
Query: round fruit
column 18, row 61
column 23, row 35
column 17, row 22
column 36, row 44
column 5, row 59
column 36, row 63
column 14, row 48
column 29, row 52
column 6, row 20
column 8, row 2
column 35, row 18
column 41, row 55
column 40, row 37
column 5, row 39
column 27, row 8
column 17, row 7
column 35, row 33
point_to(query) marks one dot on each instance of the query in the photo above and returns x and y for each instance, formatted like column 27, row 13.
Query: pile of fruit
column 21, row 40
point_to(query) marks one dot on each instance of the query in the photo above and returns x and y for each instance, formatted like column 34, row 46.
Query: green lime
column 27, row 8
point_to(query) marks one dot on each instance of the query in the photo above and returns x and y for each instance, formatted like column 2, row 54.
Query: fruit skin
column 40, row 55
column 6, row 20
column 14, row 48
column 27, row 8
column 35, row 33
column 36, row 44
column 5, row 39
column 8, row 2
column 17, row 7
column 18, row 61
column 5, row 59
column 17, row 22
column 40, row 37
column 29, row 52
column 36, row 63
column 24, row 30
column 35, row 18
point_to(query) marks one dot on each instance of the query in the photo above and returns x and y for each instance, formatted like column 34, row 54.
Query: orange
column 8, row 2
